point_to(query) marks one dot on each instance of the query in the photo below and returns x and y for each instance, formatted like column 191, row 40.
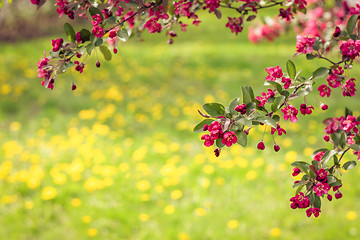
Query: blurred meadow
column 117, row 159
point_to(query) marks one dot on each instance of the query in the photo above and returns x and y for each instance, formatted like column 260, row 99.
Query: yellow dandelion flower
column 290, row 156
column 169, row 209
column 308, row 151
column 241, row 162
column 5, row 169
column 200, row 212
column 76, row 202
column 351, row 215
column 29, row 205
column 59, row 178
column 258, row 162
column 159, row 188
column 208, row 169
column 160, row 147
column 86, row 219
column 48, row 193
column 145, row 197
column 123, row 167
column 9, row 199
column 199, row 159
column 176, row 194
column 275, row 232
column 232, row 224
column 205, row 183
column 251, row 175
column 143, row 217
column 15, row 126
column 286, row 142
column 220, row 181
column 282, row 167
column 183, row 236
column 174, row 147
column 92, row 232
column 143, row 185
column 11, row 148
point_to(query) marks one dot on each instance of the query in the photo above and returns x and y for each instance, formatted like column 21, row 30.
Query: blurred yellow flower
column 176, row 194
column 29, row 205
column 48, row 193
column 9, row 199
column 290, row 156
column 160, row 147
column 258, row 162
column 169, row 209
column 200, row 212
column 232, row 224
column 143, row 185
column 5, row 168
column 59, row 178
column 86, row 219
column 139, row 153
column 76, row 202
column 15, row 126
column 183, row 236
column 251, row 175
column 220, row 181
column 308, row 151
column 351, row 215
column 312, row 139
column 205, row 183
column 208, row 169
column 11, row 148
column 286, row 142
column 92, row 232
column 143, row 217
column 275, row 232
column 241, row 162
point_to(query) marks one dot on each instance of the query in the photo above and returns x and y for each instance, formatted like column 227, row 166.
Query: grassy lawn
column 117, row 159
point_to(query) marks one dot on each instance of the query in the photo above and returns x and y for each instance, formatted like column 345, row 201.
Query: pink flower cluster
column 264, row 97
column 57, row 44
column 152, row 24
column 274, row 73
column 306, row 109
column 235, row 24
column 350, row 49
column 183, row 8
column 228, row 138
column 212, row 4
column 335, row 79
column 290, row 112
column 241, row 108
column 265, row 31
column 304, row 44
column 299, row 201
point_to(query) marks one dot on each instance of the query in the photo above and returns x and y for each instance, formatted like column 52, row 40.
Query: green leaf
column 348, row 112
column 85, row 34
column 249, row 107
column 248, row 94
column 299, row 189
column 199, row 128
column 233, row 104
column 70, row 32
column 98, row 42
column 335, row 137
column 93, row 11
column 274, row 84
column 355, row 147
column 69, row 64
column 291, row 69
column 320, row 72
column 351, row 24
column 219, row 144
column 241, row 138
column 245, row 121
column 331, row 179
column 349, row 165
column 268, row 121
column 342, row 141
column 277, row 103
column 214, row 109
column 105, row 52
column 123, row 34
column 303, row 166
column 276, row 118
column 310, row 56
column 328, row 154
column 317, row 202
column 89, row 48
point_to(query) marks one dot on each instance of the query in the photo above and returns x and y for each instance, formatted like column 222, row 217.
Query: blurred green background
column 117, row 159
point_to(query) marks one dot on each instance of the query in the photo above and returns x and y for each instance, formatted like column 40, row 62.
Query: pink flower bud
column 326, row 138
column 73, row 86
column 261, row 145
column 329, row 197
column 276, row 147
column 324, row 106
column 338, row 195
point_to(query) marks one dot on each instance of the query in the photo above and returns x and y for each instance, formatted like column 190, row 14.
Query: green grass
column 130, row 160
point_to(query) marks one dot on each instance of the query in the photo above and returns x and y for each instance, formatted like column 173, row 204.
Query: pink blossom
column 324, row 90
column 315, row 211
column 338, row 195
column 349, row 88
column 296, row 171
column 300, row 201
column 98, row 31
column 350, row 48
column 290, row 112
column 183, row 26
column 229, row 138
column 274, row 73
column 208, row 140
column 212, row 4
column 337, row 32
column 324, row 106
column 300, row 3
column 319, row 155
column 261, row 145
column 286, row 81
column 241, row 108
column 235, row 24
column 129, row 17
column 96, row 20
column 321, row 175
column 305, row 109
column 279, row 130
column 304, row 44
column 276, row 148
column 79, row 66
column 215, row 130
column 119, row 11
column 152, row 25
column 57, row 43
column 321, row 188
column 286, row 13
